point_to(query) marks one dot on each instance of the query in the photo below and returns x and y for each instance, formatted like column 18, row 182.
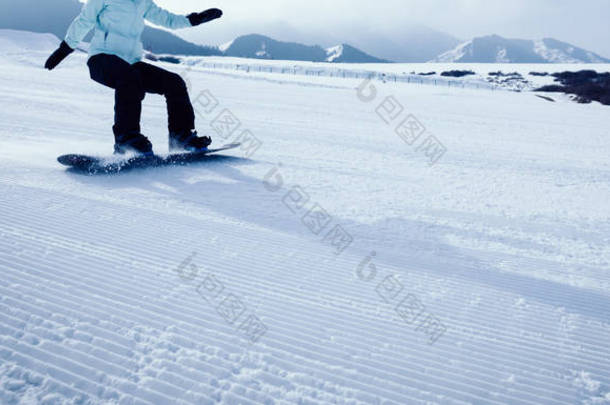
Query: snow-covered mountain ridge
column 496, row 49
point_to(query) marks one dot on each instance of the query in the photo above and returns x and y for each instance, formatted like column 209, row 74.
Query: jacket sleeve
column 164, row 18
column 84, row 22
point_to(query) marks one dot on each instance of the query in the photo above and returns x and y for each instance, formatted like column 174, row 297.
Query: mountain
column 561, row 52
column 496, row 49
column 348, row 54
column 54, row 16
column 160, row 42
column 262, row 47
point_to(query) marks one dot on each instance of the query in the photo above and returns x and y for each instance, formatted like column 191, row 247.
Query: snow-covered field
column 405, row 68
column 410, row 73
column 483, row 278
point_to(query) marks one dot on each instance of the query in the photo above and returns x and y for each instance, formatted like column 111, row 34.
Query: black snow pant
column 132, row 82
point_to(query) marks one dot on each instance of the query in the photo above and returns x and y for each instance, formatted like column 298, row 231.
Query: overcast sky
column 581, row 22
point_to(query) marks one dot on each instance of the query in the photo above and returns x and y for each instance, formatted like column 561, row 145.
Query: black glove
column 60, row 54
column 206, row 16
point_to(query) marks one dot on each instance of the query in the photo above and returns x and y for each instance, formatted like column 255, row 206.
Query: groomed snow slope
column 505, row 240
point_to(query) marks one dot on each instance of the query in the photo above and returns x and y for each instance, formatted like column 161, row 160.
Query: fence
column 346, row 74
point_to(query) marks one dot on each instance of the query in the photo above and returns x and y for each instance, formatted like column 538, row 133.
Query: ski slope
column 143, row 287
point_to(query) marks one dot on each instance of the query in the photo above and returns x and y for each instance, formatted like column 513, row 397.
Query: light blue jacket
column 118, row 26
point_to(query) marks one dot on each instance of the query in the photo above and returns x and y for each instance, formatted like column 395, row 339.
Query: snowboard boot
column 132, row 143
column 189, row 141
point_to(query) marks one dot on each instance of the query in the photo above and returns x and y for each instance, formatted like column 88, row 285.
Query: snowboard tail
column 98, row 165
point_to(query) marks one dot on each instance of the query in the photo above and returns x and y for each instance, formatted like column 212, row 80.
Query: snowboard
column 116, row 164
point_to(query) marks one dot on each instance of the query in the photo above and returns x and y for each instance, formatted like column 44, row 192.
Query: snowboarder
column 115, row 61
